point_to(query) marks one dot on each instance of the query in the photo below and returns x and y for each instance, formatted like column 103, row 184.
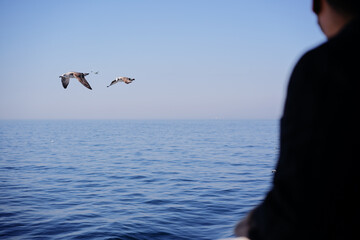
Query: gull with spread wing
column 65, row 79
column 122, row 79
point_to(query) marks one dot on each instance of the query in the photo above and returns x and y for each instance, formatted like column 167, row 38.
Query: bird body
column 122, row 79
column 65, row 79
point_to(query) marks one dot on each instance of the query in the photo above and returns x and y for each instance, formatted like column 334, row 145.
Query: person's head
column 334, row 14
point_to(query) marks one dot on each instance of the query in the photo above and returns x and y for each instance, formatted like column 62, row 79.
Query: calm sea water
column 132, row 179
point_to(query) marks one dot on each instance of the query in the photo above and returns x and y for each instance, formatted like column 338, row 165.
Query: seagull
column 122, row 79
column 65, row 78
column 97, row 72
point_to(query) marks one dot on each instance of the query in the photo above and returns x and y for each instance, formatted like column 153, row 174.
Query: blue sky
column 192, row 59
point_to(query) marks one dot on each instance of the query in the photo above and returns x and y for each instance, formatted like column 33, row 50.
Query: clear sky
column 192, row 59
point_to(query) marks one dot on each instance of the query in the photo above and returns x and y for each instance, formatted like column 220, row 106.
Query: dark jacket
column 316, row 187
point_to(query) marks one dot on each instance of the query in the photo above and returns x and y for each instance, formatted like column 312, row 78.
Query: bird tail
column 85, row 74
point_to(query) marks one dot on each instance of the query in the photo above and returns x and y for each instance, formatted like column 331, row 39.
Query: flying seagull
column 65, row 78
column 122, row 79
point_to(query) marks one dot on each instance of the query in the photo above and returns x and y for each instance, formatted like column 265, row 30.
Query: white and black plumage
column 122, row 79
column 65, row 79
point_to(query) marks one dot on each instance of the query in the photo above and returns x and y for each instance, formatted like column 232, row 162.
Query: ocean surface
column 122, row 179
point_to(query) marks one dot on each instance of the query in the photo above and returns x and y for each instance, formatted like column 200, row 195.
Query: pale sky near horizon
column 192, row 59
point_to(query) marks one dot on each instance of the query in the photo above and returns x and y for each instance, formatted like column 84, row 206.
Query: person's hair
column 348, row 7
column 316, row 6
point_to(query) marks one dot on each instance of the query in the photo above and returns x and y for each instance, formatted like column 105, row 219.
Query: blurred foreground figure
column 316, row 186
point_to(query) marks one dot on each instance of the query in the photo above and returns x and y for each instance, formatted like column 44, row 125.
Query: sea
column 132, row 179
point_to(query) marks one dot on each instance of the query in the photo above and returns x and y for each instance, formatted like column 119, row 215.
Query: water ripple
column 173, row 180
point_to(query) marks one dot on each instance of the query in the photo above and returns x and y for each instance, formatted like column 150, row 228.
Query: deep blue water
column 137, row 179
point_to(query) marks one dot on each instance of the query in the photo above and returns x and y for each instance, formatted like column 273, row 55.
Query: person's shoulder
column 313, row 61
column 339, row 50
column 310, row 70
column 315, row 56
column 336, row 49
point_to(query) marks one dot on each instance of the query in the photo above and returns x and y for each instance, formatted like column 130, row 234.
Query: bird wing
column 113, row 82
column 65, row 81
column 81, row 78
column 128, row 80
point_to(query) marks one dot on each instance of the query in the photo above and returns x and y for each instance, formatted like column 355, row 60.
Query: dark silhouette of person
column 315, row 192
